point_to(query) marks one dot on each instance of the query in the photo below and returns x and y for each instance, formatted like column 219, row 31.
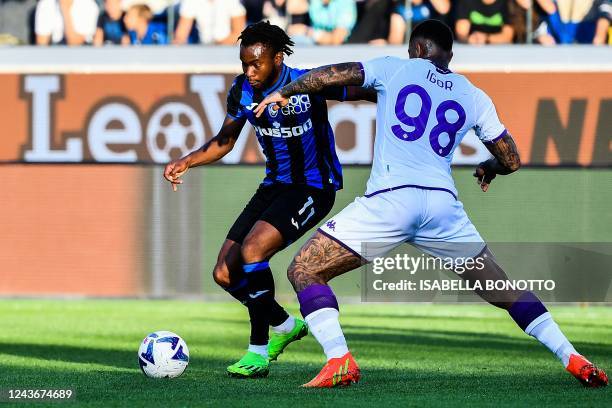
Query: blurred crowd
column 324, row 22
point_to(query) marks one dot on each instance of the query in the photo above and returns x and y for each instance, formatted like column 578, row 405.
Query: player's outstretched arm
column 505, row 160
column 315, row 81
column 213, row 150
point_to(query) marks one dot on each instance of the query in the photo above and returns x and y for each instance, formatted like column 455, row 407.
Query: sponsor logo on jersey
column 284, row 131
column 297, row 104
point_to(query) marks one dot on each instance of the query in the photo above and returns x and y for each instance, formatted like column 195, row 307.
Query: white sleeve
column 189, row 8
column 237, row 9
column 375, row 72
column 43, row 20
column 85, row 18
column 488, row 127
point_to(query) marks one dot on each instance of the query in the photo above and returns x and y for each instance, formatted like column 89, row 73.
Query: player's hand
column 174, row 171
column 276, row 98
column 484, row 175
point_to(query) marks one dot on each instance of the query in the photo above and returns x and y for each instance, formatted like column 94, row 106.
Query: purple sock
column 526, row 309
column 316, row 297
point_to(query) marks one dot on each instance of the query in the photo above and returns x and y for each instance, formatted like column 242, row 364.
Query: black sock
column 259, row 320
column 277, row 314
column 263, row 309
column 240, row 292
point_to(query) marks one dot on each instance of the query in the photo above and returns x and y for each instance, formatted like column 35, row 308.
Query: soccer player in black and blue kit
column 302, row 176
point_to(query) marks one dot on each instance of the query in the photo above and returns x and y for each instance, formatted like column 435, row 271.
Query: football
column 163, row 354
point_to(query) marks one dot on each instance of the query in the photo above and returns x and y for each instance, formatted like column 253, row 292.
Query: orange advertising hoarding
column 71, row 230
column 556, row 118
column 61, row 236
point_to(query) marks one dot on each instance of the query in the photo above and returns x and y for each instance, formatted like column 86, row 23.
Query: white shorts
column 432, row 220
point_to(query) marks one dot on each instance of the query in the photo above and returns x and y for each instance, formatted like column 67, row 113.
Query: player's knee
column 300, row 275
column 221, row 275
column 252, row 251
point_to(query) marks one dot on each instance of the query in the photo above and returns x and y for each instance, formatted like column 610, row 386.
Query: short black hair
column 436, row 31
column 268, row 34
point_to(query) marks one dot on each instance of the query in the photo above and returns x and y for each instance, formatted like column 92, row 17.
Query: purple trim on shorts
column 386, row 190
column 502, row 134
column 316, row 297
column 342, row 244
column 526, row 309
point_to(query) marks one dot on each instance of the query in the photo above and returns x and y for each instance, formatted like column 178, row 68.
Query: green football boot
column 252, row 365
column 279, row 341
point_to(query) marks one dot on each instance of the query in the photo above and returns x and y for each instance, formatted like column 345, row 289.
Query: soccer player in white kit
column 423, row 112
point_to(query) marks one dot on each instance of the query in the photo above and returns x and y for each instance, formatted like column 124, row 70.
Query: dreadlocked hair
column 267, row 34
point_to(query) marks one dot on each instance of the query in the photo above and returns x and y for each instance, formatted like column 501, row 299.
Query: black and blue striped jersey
column 297, row 140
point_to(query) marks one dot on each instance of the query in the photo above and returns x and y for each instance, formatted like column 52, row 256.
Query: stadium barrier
column 115, row 230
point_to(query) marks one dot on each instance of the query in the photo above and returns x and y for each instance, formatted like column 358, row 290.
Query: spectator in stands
column 71, row 22
column 158, row 7
column 111, row 28
column 138, row 23
column 261, row 10
column 298, row 21
column 518, row 17
column 332, row 20
column 254, row 10
column 218, row 21
column 421, row 10
column 574, row 21
column 373, row 18
column 483, row 22
column 274, row 12
column 14, row 21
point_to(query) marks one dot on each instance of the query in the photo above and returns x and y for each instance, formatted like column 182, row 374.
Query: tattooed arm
column 315, row 81
column 505, row 160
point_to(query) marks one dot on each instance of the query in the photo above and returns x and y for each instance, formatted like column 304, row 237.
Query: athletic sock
column 319, row 307
column 260, row 301
column 262, row 350
column 277, row 315
column 285, row 327
column 533, row 317
column 240, row 291
column 264, row 310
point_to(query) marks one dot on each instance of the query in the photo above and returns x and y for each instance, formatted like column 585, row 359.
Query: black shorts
column 292, row 209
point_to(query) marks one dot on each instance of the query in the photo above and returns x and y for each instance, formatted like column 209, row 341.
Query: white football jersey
column 423, row 112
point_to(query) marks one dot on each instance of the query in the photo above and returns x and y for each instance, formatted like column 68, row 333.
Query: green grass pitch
column 411, row 355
